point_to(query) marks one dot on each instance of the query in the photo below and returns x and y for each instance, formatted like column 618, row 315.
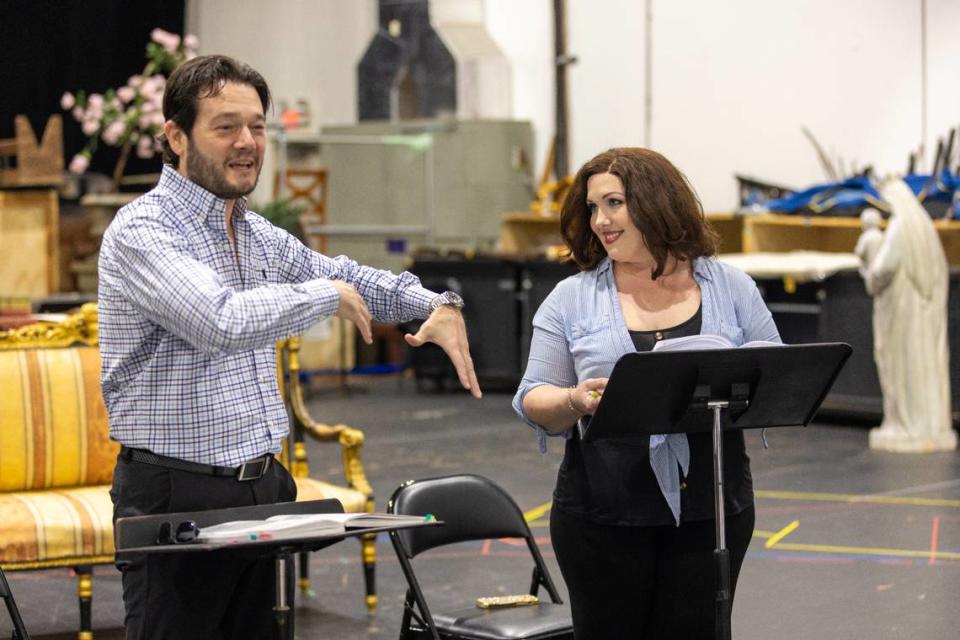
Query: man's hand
column 353, row 308
column 445, row 328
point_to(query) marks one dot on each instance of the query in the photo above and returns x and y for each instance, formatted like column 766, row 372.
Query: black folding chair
column 472, row 508
column 19, row 631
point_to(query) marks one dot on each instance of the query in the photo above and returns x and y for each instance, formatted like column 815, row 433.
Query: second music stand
column 138, row 535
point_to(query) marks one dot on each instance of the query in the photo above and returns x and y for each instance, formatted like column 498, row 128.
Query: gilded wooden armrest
column 349, row 438
column 316, row 430
column 352, row 440
column 75, row 328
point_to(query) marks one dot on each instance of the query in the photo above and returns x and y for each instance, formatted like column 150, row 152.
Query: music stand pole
column 721, row 555
column 281, row 609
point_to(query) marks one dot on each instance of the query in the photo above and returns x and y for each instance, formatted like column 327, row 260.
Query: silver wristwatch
column 450, row 298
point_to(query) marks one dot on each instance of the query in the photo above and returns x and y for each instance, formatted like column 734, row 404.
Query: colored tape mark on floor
column 934, row 534
column 775, row 538
column 780, row 535
column 851, row 550
column 861, row 551
column 533, row 515
column 858, row 499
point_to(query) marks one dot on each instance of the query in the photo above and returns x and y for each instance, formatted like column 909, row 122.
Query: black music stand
column 711, row 390
column 19, row 631
column 137, row 535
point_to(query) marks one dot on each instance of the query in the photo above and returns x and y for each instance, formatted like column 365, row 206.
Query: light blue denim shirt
column 579, row 333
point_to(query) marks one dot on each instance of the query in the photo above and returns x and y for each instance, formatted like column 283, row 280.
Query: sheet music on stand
column 312, row 523
column 300, row 525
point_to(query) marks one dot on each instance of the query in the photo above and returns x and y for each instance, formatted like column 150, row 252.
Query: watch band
column 447, row 298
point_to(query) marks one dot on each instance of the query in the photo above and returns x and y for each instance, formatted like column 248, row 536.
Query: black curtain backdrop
column 48, row 47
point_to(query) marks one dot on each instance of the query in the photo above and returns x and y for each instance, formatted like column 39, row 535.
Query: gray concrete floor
column 849, row 543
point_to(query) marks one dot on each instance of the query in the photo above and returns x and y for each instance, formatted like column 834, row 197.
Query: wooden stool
column 308, row 187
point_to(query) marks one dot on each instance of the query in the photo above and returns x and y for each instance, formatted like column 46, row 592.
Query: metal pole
column 923, row 79
column 648, row 74
column 281, row 162
column 721, row 556
column 429, row 194
column 718, row 472
column 561, row 60
column 281, row 609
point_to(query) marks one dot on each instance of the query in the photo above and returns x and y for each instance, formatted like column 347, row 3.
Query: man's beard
column 205, row 172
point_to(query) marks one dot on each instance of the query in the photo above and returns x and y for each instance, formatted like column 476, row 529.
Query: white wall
column 524, row 31
column 304, row 48
column 732, row 82
column 605, row 87
column 943, row 63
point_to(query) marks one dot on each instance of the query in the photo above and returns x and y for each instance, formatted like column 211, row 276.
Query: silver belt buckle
column 253, row 469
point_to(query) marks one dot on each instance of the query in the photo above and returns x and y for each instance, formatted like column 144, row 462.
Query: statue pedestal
column 900, row 441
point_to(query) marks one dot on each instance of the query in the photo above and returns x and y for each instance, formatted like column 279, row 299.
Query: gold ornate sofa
column 56, row 459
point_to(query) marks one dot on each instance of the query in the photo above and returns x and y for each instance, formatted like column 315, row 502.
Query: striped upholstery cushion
column 312, row 489
column 56, row 461
column 54, row 528
column 53, row 425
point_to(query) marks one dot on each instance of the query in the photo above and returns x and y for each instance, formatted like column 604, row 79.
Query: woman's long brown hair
column 661, row 202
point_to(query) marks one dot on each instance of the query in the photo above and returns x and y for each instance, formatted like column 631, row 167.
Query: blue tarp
column 851, row 196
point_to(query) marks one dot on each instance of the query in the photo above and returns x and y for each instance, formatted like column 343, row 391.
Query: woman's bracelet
column 570, row 401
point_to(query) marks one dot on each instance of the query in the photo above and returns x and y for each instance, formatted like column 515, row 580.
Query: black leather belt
column 249, row 470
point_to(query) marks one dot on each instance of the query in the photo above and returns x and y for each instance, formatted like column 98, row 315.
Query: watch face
column 454, row 299
column 447, row 298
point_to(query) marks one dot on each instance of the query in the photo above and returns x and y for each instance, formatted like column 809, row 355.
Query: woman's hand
column 557, row 409
column 584, row 398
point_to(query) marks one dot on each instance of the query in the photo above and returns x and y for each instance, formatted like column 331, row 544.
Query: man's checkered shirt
column 188, row 326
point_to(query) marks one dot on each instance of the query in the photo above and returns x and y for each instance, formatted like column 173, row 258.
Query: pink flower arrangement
column 130, row 117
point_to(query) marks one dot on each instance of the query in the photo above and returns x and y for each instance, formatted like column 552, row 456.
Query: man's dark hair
column 203, row 77
column 661, row 202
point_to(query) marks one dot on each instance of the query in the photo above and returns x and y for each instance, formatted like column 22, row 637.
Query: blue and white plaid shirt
column 188, row 326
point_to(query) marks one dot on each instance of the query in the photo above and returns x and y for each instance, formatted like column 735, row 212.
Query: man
column 194, row 292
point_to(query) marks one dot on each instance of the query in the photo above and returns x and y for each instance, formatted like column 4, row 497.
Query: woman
column 632, row 522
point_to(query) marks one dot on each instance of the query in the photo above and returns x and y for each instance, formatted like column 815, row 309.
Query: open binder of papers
column 707, row 341
column 301, row 525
